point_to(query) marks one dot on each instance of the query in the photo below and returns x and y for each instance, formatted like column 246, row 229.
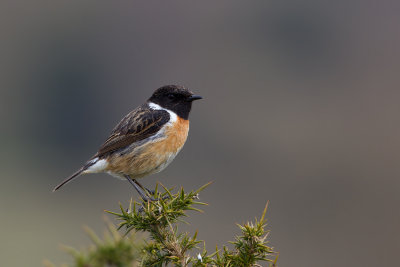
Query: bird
column 146, row 140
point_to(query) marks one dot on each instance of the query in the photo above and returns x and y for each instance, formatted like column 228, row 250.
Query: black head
column 175, row 98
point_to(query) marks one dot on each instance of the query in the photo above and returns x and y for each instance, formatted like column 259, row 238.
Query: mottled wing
column 139, row 124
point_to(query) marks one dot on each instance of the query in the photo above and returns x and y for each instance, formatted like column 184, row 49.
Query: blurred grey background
column 301, row 108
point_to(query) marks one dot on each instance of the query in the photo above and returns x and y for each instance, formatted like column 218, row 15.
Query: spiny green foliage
column 157, row 219
column 166, row 245
column 250, row 247
column 114, row 249
column 163, row 212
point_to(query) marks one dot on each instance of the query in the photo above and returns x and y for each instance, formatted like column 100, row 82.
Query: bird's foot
column 152, row 195
column 150, row 192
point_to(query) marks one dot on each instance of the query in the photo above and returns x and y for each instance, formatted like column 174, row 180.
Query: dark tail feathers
column 73, row 176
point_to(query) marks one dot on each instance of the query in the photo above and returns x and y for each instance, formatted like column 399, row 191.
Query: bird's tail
column 73, row 176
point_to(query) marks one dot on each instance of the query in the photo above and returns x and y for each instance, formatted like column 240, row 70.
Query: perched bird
column 146, row 140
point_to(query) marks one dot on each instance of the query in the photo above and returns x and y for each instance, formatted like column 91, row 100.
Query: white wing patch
column 173, row 116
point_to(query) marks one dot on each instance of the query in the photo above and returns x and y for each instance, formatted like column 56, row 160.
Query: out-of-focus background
column 301, row 107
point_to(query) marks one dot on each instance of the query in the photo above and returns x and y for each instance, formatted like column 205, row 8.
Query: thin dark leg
column 139, row 188
column 151, row 192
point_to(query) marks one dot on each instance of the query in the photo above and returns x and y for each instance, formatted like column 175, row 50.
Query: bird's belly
column 150, row 157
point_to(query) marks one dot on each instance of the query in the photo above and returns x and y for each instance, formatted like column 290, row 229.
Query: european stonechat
column 146, row 140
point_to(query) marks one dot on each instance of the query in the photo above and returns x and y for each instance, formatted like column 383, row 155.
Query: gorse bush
column 165, row 245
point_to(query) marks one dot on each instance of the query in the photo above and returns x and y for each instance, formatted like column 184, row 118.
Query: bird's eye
column 171, row 96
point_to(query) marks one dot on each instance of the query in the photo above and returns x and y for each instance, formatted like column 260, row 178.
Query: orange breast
column 154, row 156
column 177, row 135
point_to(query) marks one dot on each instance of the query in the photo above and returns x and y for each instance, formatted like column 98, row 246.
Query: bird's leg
column 140, row 189
column 150, row 192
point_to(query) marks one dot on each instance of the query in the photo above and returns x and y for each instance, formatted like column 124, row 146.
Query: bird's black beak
column 194, row 97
